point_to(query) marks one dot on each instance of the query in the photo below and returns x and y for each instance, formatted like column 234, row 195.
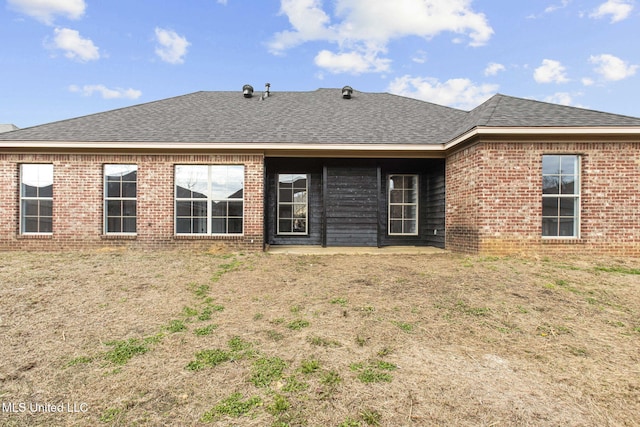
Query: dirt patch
column 184, row 338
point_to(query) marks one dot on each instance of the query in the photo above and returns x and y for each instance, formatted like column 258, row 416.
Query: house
column 330, row 167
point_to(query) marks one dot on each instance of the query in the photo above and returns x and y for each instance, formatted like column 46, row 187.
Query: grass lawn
column 135, row 338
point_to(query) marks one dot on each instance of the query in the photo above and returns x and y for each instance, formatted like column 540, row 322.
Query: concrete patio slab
column 387, row 250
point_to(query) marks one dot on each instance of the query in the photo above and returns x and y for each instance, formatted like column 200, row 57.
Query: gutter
column 275, row 148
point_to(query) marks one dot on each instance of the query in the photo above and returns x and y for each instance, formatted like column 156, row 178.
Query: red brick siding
column 462, row 172
column 78, row 202
column 505, row 179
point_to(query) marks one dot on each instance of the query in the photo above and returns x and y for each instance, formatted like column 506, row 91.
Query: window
column 403, row 204
column 209, row 199
column 36, row 199
column 292, row 203
column 560, row 195
column 120, row 186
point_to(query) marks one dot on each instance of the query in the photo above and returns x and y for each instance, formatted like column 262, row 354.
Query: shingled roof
column 320, row 116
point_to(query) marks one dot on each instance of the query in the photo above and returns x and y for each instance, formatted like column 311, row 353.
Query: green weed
column 296, row 325
column 266, row 370
column 225, row 268
column 619, row 269
column 371, row 417
column 384, row 351
column 463, row 307
column 82, row 360
column 189, row 312
column 406, row 327
column 361, row 341
column 238, row 345
column 294, row 385
column 199, row 291
column 109, row 415
column 323, row 342
column 275, row 335
column 123, row 351
column 350, row 422
column 232, row 406
column 176, row 326
column 309, row 366
column 208, row 358
column 340, row 301
column 331, row 378
column 280, row 404
column 205, row 331
column 372, row 372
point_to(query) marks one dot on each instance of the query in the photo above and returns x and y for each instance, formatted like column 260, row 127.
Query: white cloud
column 562, row 98
column 587, row 81
column 493, row 69
column 457, row 93
column 45, row 10
column 563, row 4
column 353, row 62
column 612, row 68
column 367, row 26
column 172, row 47
column 105, row 92
column 420, row 57
column 309, row 23
column 74, row 46
column 550, row 71
column 618, row 9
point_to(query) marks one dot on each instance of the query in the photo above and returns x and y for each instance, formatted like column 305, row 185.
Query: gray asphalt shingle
column 320, row 116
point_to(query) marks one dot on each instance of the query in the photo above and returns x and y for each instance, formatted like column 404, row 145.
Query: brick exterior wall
column 78, row 207
column 494, row 198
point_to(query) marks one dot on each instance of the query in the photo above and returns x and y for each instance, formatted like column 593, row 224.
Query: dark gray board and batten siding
column 348, row 201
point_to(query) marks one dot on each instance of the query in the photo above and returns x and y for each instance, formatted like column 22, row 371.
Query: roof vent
column 266, row 90
column 247, row 91
column 346, row 92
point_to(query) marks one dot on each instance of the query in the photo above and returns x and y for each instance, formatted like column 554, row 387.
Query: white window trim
column 21, row 215
column 105, row 217
column 209, row 199
column 578, row 197
column 417, row 204
column 306, row 218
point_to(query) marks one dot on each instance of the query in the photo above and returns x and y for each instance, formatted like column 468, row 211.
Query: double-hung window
column 36, row 199
column 403, row 205
column 292, row 203
column 560, row 196
column 120, row 188
column 209, row 199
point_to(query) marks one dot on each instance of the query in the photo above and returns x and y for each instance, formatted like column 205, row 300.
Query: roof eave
column 543, row 131
column 268, row 149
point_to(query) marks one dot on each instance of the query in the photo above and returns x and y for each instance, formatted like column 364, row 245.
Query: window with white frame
column 209, row 199
column 120, row 207
column 560, row 196
column 403, row 204
column 36, row 199
column 293, row 203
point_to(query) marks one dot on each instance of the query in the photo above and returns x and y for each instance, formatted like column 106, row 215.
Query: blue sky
column 67, row 58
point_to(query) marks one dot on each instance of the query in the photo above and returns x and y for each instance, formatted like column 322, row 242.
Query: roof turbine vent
column 247, row 91
column 346, row 92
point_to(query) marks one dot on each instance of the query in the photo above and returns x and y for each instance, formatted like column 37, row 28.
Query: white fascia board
column 214, row 146
column 543, row 131
column 272, row 147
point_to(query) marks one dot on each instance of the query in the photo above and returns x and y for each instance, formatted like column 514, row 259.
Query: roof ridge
column 498, row 97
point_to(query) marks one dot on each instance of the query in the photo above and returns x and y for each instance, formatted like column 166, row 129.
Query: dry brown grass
column 476, row 341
